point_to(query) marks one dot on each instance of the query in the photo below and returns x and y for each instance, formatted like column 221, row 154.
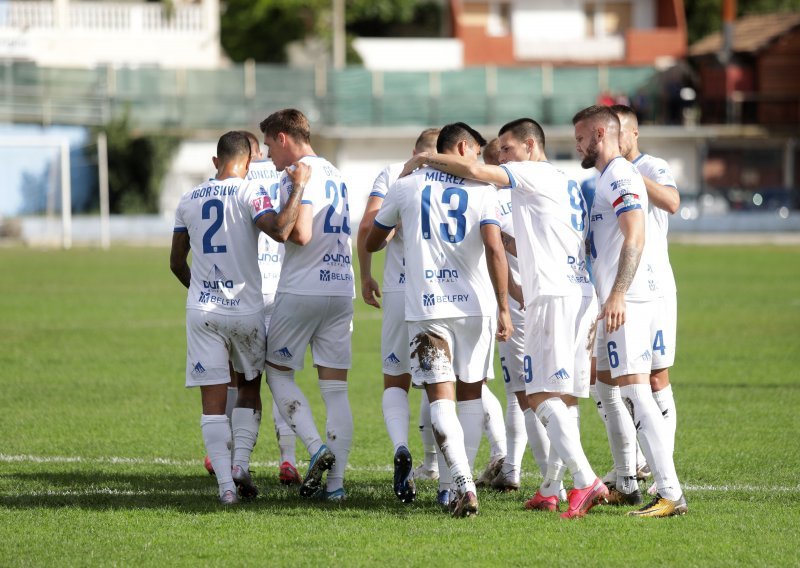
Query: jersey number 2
column 218, row 207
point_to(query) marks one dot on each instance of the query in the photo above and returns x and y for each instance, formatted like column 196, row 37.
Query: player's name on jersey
column 260, row 173
column 214, row 191
column 436, row 175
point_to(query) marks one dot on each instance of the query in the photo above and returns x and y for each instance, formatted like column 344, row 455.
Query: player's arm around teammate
column 280, row 226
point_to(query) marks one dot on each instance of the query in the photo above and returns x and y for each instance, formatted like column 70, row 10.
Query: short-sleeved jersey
column 270, row 252
column 446, row 272
column 620, row 189
column 658, row 170
column 219, row 216
column 394, row 272
column 322, row 267
column 550, row 222
column 507, row 226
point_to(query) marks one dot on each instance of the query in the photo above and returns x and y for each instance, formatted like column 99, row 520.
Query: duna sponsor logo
column 442, row 275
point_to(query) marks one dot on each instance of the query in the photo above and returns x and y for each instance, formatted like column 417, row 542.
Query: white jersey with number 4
column 321, row 267
column 658, row 170
column 620, row 189
column 219, row 216
column 550, row 222
column 270, row 252
column 393, row 263
column 446, row 272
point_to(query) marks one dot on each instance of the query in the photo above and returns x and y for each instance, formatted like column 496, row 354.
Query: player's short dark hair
column 524, row 128
column 290, row 121
column 452, row 134
column 596, row 114
column 232, row 145
column 426, row 140
column 255, row 143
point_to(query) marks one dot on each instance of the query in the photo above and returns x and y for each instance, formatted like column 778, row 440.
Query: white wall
column 410, row 54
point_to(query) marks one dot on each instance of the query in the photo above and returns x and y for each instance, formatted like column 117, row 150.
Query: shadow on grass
column 187, row 493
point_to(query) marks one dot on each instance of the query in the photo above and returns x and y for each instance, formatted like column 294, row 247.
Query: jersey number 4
column 456, row 213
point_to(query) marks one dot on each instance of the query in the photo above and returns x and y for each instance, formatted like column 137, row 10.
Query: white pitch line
column 26, row 458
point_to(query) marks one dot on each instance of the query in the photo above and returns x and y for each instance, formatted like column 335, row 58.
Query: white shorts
column 511, row 357
column 558, row 351
column 324, row 322
column 664, row 332
column 628, row 351
column 213, row 339
column 394, row 335
column 269, row 307
column 466, row 350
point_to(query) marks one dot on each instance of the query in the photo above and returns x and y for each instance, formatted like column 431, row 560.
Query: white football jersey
column 446, row 272
column 658, row 170
column 394, row 271
column 322, row 267
column 270, row 252
column 550, row 222
column 507, row 226
column 620, row 188
column 219, row 216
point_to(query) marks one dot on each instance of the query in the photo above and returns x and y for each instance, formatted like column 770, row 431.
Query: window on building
column 605, row 19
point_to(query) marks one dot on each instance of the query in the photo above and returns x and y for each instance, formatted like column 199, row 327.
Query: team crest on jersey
column 199, row 369
column 325, row 275
column 428, row 300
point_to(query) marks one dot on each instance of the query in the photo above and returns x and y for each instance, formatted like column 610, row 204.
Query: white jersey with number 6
column 321, row 267
column 219, row 216
column 446, row 273
column 620, row 188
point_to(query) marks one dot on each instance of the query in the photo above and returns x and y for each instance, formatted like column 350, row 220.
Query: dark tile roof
column 750, row 33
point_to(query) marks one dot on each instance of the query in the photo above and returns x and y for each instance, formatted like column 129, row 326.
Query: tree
column 136, row 167
column 261, row 29
column 704, row 17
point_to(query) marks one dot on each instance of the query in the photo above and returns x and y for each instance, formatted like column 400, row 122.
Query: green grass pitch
column 101, row 453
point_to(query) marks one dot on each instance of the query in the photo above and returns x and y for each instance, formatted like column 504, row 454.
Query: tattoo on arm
column 629, row 258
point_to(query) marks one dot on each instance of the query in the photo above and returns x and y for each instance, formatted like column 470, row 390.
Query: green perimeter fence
column 241, row 95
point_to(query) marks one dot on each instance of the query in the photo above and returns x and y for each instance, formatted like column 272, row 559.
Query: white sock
column 230, row 401
column 217, row 438
column 653, row 436
column 426, row 432
column 493, row 423
column 396, row 415
column 294, row 408
column 666, row 403
column 285, row 435
column 339, row 425
column 470, row 415
column 244, row 426
column 516, row 436
column 621, row 433
column 553, row 474
column 451, row 442
column 445, row 477
column 565, row 436
column 538, row 440
column 597, row 402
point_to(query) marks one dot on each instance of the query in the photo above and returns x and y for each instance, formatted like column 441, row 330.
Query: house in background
column 517, row 32
column 761, row 82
